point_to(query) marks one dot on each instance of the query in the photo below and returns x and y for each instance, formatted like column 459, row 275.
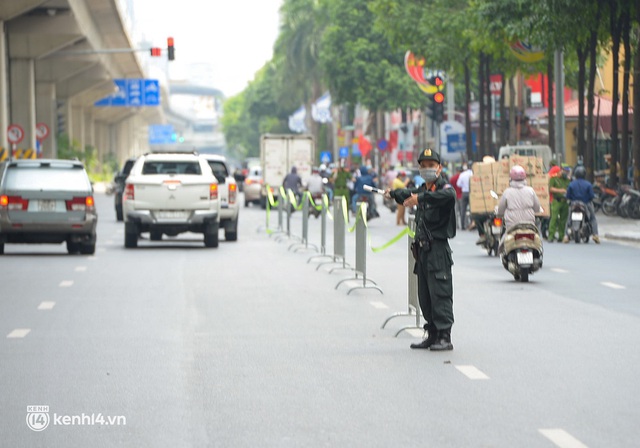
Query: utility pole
column 559, row 84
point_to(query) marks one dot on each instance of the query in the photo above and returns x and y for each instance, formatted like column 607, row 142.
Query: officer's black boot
column 432, row 336
column 443, row 341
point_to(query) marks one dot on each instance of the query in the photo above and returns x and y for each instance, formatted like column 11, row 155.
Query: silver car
column 47, row 201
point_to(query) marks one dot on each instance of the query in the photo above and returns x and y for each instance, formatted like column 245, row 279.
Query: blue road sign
column 344, row 152
column 132, row 93
column 160, row 134
column 456, row 142
column 383, row 144
column 325, row 157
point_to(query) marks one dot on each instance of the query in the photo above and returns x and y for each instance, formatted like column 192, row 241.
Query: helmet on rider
column 517, row 173
column 580, row 172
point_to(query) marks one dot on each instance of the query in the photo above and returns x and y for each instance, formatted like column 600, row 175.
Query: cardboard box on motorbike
column 495, row 176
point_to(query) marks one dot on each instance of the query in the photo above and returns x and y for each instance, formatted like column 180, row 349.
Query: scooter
column 492, row 232
column 521, row 251
column 579, row 227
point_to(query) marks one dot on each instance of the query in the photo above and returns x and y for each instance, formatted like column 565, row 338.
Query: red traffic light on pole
column 170, row 49
column 438, row 97
column 156, row 51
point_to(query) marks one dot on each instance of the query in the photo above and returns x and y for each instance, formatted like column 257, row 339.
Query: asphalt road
column 247, row 345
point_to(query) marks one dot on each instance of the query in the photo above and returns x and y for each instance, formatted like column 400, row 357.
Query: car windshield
column 172, row 167
column 46, row 178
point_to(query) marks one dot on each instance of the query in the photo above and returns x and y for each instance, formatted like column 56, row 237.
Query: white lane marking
column 612, row 285
column 379, row 305
column 562, row 438
column 46, row 305
column 101, row 249
column 416, row 332
column 559, row 271
column 66, row 283
column 92, row 258
column 472, row 372
column 18, row 333
column 81, row 268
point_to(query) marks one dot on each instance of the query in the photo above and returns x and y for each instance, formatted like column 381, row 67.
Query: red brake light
column 129, row 193
column 497, row 222
column 14, row 202
column 525, row 236
column 248, row 181
column 213, row 191
column 80, row 203
column 233, row 192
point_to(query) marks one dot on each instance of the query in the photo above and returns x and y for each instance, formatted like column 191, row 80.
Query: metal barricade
column 280, row 208
column 323, row 233
column 413, row 305
column 361, row 253
column 304, row 242
column 339, row 232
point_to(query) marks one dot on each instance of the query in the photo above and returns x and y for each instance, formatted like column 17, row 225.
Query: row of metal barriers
column 287, row 203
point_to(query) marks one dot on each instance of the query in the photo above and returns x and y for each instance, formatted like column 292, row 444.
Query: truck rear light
column 213, row 191
column 129, row 193
column 14, row 202
column 80, row 204
column 233, row 192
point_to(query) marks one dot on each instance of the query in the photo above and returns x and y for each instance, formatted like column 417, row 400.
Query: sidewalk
column 617, row 228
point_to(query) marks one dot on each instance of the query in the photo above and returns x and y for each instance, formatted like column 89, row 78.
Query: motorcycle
column 579, row 227
column 492, row 232
column 317, row 201
column 521, row 252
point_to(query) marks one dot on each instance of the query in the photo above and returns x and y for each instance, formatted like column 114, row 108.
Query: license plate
column 46, row 206
column 172, row 214
column 496, row 230
column 576, row 216
column 525, row 258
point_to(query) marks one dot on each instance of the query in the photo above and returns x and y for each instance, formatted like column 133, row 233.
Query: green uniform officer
column 559, row 206
column 435, row 224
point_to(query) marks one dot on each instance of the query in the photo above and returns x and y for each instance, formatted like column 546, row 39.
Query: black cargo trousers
column 435, row 284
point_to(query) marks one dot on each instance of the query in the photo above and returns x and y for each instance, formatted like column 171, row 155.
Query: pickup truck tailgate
column 172, row 193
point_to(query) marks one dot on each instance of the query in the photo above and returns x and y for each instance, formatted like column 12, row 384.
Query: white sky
column 235, row 37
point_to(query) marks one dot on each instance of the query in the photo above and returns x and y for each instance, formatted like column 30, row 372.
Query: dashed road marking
column 66, row 283
column 379, row 305
column 562, row 438
column 81, row 268
column 46, row 305
column 559, row 270
column 472, row 372
column 612, row 285
column 18, row 333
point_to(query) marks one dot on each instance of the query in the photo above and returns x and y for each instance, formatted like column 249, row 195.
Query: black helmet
column 580, row 172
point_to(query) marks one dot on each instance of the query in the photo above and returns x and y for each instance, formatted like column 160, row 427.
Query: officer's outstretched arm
column 439, row 198
column 400, row 194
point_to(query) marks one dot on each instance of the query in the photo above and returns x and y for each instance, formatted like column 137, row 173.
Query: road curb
column 634, row 239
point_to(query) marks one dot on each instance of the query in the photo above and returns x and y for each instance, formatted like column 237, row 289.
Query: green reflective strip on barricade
column 345, row 210
column 292, row 199
column 360, row 214
column 282, row 192
column 313, row 203
column 394, row 240
column 325, row 201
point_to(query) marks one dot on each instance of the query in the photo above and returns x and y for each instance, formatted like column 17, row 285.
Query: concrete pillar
column 23, row 99
column 89, row 131
column 46, row 112
column 67, row 111
column 78, row 135
column 4, row 92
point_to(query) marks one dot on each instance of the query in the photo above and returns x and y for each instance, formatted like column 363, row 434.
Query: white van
column 542, row 151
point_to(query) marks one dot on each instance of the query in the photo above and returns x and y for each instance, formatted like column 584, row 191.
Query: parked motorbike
column 492, row 232
column 609, row 200
column 579, row 225
column 521, row 252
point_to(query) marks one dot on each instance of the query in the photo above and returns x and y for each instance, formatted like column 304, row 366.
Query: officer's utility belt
column 422, row 244
column 560, row 199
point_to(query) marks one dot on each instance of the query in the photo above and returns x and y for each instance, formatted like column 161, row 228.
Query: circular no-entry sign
column 42, row 131
column 15, row 133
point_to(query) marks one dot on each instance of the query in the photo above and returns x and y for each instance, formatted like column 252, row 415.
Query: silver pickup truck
column 168, row 194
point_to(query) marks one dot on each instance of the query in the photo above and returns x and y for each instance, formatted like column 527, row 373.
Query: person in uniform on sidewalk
column 435, row 224
column 559, row 206
column 581, row 190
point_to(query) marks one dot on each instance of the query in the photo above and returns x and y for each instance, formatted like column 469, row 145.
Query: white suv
column 171, row 193
column 228, row 194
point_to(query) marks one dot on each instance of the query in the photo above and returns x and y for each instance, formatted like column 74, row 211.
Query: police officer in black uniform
column 435, row 224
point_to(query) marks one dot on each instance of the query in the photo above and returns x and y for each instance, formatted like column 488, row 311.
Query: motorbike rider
column 435, row 224
column 519, row 202
column 293, row 182
column 581, row 190
column 365, row 178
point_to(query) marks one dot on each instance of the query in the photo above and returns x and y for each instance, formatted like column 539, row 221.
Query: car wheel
column 231, row 232
column 263, row 203
column 246, row 203
column 155, row 235
column 119, row 214
column 211, row 235
column 73, row 248
column 130, row 235
column 88, row 249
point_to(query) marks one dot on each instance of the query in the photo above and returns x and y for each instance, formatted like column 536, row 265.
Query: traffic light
column 155, row 51
column 436, row 107
column 170, row 49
